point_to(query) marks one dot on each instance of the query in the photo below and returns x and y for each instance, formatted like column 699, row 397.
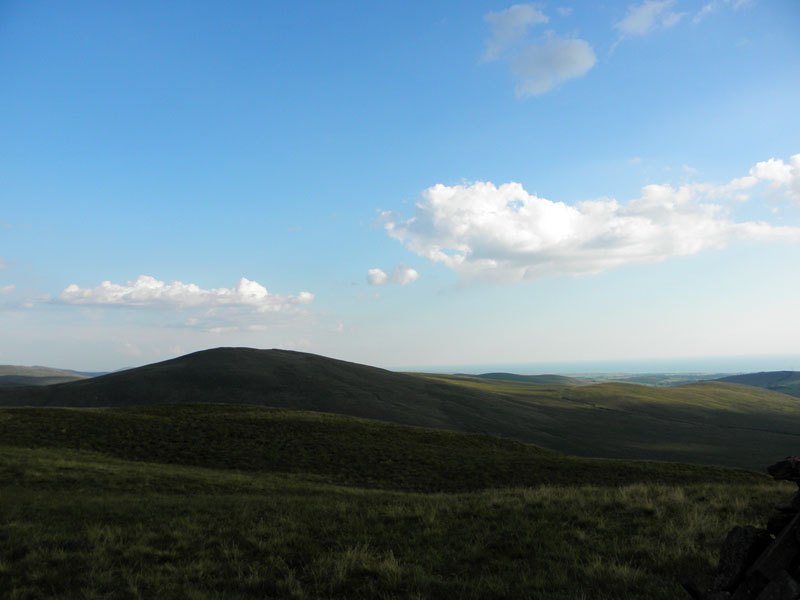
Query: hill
column 708, row 423
column 11, row 375
column 786, row 382
column 287, row 379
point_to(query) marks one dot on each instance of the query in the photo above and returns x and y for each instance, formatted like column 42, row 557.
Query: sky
column 402, row 184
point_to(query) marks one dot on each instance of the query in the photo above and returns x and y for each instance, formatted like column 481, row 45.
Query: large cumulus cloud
column 504, row 233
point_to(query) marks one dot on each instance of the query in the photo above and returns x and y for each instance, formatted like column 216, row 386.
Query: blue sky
column 399, row 184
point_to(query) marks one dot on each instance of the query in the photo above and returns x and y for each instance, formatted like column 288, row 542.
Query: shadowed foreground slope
column 245, row 509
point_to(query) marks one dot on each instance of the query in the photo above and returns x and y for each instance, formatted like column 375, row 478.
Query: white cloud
column 148, row 291
column 780, row 175
column 7, row 289
column 506, row 234
column 377, row 277
column 540, row 67
column 646, row 16
column 564, row 11
column 778, row 172
column 509, row 27
column 401, row 275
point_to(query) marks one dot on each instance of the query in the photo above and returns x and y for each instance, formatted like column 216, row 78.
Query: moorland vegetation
column 185, row 502
column 708, row 423
column 195, row 494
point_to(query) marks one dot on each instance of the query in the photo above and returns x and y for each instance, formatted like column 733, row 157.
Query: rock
column 698, row 586
column 778, row 557
column 783, row 587
column 753, row 565
column 787, row 469
column 741, row 548
column 791, row 505
column 778, row 521
column 743, row 593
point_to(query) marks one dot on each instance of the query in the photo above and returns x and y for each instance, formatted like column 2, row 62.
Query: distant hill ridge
column 12, row 375
column 543, row 379
column 786, row 382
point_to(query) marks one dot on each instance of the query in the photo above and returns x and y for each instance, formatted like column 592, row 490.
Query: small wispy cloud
column 643, row 18
column 401, row 275
column 539, row 64
column 737, row 4
column 689, row 171
column 706, row 10
column 377, row 277
column 7, row 289
column 129, row 349
column 541, row 67
column 564, row 11
column 509, row 27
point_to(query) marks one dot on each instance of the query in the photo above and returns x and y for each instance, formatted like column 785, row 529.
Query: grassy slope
column 709, row 423
column 341, row 450
column 787, row 382
column 219, row 521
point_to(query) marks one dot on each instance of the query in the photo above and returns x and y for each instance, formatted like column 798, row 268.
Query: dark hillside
column 786, row 382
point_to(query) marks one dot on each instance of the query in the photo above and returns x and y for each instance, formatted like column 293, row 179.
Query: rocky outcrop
column 759, row 564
